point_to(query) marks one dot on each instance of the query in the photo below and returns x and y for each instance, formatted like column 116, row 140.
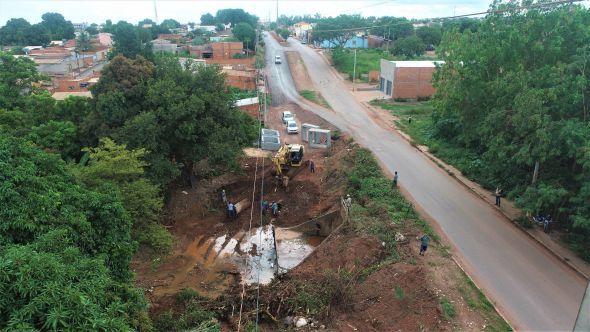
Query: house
column 75, row 85
column 201, row 51
column 79, row 27
column 407, row 79
column 169, row 36
column 161, row 45
column 209, row 28
column 105, row 39
column 226, row 50
column 54, row 61
column 300, row 28
column 354, row 42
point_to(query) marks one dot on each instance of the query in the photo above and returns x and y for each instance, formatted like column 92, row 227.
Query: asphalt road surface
column 531, row 288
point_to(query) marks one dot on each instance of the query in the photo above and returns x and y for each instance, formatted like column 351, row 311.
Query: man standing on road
column 424, row 244
column 311, row 166
column 395, row 178
column 498, row 195
column 274, row 207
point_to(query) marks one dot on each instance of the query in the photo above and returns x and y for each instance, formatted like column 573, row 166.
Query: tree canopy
column 245, row 33
column 129, row 41
column 519, row 101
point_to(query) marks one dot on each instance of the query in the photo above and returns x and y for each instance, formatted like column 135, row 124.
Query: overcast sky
column 97, row 11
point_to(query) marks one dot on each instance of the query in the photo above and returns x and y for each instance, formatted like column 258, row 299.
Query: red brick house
column 407, row 79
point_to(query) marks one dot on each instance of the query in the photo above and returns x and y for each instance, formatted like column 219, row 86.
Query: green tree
column 56, row 136
column 235, row 16
column 124, row 169
column 338, row 30
column 245, row 33
column 107, row 27
column 17, row 76
column 38, row 35
column 92, row 29
column 170, row 23
column 57, row 27
column 83, row 43
column 208, row 19
column 430, row 35
column 15, row 32
column 409, row 46
column 127, row 41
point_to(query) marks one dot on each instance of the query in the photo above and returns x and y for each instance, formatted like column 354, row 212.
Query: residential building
column 201, row 51
column 80, row 26
column 354, row 42
column 407, row 79
column 300, row 28
column 209, row 28
column 161, row 45
column 105, row 39
column 169, row 36
column 54, row 61
column 226, row 50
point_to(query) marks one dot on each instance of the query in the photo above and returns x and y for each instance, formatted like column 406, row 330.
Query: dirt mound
column 353, row 253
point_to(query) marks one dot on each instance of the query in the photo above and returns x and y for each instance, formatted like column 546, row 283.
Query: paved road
column 533, row 289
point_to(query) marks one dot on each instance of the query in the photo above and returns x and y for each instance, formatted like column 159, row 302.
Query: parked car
column 292, row 127
column 288, row 116
column 278, row 59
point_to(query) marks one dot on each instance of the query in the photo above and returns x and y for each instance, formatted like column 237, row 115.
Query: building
column 209, row 28
column 250, row 106
column 300, row 28
column 54, row 61
column 161, row 45
column 354, row 42
column 407, row 79
column 105, row 39
column 169, row 36
column 226, row 50
column 79, row 27
column 201, row 51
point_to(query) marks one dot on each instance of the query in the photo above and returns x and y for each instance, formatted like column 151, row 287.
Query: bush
column 186, row 295
column 156, row 237
column 423, row 98
column 401, row 100
column 447, row 308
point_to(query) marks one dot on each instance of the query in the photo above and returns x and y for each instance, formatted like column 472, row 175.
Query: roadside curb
column 451, row 173
column 479, row 289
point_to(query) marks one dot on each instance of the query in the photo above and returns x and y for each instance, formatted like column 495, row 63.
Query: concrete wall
column 583, row 320
column 413, row 82
column 386, row 75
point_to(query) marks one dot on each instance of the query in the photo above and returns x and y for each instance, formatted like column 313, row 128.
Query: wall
column 413, row 82
column 251, row 110
column 226, row 50
column 248, row 61
column 241, row 82
column 386, row 74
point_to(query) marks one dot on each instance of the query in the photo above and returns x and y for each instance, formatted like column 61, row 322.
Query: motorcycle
column 544, row 221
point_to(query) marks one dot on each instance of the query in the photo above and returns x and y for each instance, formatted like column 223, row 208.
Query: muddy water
column 209, row 264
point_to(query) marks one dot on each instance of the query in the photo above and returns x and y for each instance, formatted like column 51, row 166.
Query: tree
column 38, row 35
column 17, row 76
column 245, row 33
column 57, row 26
column 208, row 19
column 409, row 46
column 338, row 30
column 124, row 169
column 92, row 29
column 518, row 102
column 15, row 32
column 170, row 23
column 83, row 43
column 219, row 27
column 56, row 136
column 108, row 26
column 430, row 35
column 127, row 41
column 235, row 16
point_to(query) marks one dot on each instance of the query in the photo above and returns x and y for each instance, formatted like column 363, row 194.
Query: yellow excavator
column 289, row 155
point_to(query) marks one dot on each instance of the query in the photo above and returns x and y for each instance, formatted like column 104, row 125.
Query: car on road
column 292, row 127
column 288, row 116
column 278, row 59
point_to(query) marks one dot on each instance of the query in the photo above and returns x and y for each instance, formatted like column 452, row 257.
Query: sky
column 133, row 11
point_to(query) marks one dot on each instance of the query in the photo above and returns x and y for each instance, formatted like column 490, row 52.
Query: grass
column 447, row 308
column 314, row 97
column 399, row 293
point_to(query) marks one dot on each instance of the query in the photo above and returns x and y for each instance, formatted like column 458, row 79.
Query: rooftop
column 417, row 64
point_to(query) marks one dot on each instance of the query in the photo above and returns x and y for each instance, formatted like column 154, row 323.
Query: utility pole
column 354, row 70
column 277, row 12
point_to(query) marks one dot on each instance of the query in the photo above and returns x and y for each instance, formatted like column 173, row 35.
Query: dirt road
column 531, row 288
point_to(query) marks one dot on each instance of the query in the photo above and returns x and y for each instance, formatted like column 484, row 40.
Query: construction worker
column 395, row 178
column 223, row 196
column 230, row 210
column 348, row 202
column 274, row 208
column 424, row 244
column 311, row 166
column 264, row 206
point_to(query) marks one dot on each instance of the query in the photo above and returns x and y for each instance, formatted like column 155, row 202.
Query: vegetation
column 231, row 16
column 447, row 308
column 314, row 97
column 131, row 41
column 366, row 60
column 19, row 31
column 517, row 102
column 245, row 33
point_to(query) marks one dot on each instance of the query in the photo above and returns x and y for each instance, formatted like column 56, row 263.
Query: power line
column 496, row 11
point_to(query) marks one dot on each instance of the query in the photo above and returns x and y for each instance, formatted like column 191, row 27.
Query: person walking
column 235, row 211
column 223, row 196
column 395, row 178
column 264, row 207
column 230, row 210
column 498, row 194
column 311, row 166
column 424, row 244
column 348, row 202
column 274, row 207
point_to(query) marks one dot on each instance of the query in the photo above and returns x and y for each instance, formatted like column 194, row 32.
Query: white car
column 292, row 127
column 288, row 116
column 278, row 59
